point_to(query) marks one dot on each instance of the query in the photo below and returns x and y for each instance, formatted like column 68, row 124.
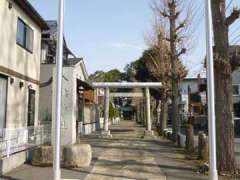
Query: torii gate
column 108, row 85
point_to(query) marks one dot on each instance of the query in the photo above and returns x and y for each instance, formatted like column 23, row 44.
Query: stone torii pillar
column 146, row 85
column 148, row 113
column 106, row 131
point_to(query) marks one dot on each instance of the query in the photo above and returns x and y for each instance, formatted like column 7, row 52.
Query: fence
column 20, row 139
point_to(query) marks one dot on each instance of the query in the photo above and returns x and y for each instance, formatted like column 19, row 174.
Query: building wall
column 193, row 84
column 19, row 64
column 69, row 103
column 13, row 56
column 68, row 123
column 17, row 104
column 45, row 98
column 185, row 84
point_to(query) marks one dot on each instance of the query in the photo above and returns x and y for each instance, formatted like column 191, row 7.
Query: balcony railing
column 21, row 139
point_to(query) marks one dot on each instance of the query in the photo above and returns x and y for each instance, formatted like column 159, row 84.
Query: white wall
column 17, row 104
column 193, row 84
column 69, row 99
column 18, row 59
column 13, row 56
column 68, row 118
column 45, row 100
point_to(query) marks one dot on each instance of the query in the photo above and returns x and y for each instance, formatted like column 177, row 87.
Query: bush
column 113, row 112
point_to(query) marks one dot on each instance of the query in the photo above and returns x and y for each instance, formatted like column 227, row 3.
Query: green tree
column 113, row 75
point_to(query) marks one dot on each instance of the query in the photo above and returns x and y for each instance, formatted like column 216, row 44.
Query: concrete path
column 125, row 156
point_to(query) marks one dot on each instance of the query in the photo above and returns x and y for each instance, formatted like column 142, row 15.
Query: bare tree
column 224, row 65
column 159, row 65
column 177, row 14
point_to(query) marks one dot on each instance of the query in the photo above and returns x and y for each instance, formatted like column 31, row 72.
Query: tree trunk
column 175, row 85
column 224, row 123
column 223, row 87
column 163, row 115
column 175, row 110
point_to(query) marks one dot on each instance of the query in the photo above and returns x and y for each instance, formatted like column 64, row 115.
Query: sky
column 110, row 33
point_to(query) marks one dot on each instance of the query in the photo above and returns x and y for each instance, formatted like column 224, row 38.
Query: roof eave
column 32, row 13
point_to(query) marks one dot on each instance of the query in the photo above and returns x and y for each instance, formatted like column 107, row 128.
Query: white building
column 191, row 86
column 74, row 97
column 20, row 51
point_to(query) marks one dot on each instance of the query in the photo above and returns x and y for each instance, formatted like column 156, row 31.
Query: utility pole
column 211, row 93
column 59, row 61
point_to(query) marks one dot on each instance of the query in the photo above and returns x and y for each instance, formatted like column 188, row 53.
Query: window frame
column 238, row 85
column 26, row 37
column 6, row 105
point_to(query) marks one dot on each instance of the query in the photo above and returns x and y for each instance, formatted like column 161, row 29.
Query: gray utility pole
column 59, row 60
column 211, row 93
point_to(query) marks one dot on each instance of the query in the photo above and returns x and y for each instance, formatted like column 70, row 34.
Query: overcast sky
column 110, row 33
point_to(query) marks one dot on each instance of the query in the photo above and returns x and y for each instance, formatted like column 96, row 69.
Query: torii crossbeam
column 108, row 85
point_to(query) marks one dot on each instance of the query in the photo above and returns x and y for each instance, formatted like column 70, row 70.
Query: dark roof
column 72, row 61
column 193, row 79
column 32, row 13
column 84, row 84
column 51, row 34
column 52, row 31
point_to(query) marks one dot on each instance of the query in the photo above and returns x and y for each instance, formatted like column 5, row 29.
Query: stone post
column 148, row 113
column 148, row 109
column 106, row 131
column 158, row 113
column 189, row 138
column 203, row 152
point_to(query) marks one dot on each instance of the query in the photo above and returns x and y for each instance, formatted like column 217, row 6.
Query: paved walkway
column 126, row 156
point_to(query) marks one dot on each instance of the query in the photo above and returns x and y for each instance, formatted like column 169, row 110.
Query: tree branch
column 180, row 26
column 165, row 14
column 168, row 39
column 183, row 51
column 233, row 17
column 235, row 62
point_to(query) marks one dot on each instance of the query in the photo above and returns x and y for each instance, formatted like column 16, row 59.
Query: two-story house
column 20, row 52
column 78, row 105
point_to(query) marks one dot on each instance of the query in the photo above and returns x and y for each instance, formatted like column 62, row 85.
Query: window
column 3, row 101
column 24, row 35
column 31, row 107
column 236, row 91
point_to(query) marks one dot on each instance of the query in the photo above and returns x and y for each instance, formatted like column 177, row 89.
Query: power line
column 199, row 18
column 235, row 30
column 236, row 41
column 229, row 4
column 235, row 38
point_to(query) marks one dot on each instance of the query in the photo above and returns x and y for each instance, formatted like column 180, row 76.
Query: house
column 191, row 88
column 78, row 100
column 197, row 87
column 49, row 45
column 20, row 53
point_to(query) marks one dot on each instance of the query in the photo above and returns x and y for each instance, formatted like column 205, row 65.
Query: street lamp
column 57, row 125
column 211, row 94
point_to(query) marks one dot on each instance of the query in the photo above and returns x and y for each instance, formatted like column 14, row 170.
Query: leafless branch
column 233, row 17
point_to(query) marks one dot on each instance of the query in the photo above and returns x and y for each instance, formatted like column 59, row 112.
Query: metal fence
column 21, row 139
